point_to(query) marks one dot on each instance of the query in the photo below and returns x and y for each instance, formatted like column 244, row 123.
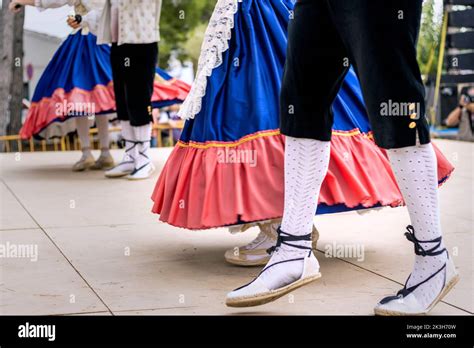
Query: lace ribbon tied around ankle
column 128, row 150
column 419, row 250
column 285, row 238
column 216, row 42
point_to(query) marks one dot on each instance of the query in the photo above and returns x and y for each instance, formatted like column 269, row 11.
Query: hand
column 15, row 6
column 470, row 108
column 71, row 21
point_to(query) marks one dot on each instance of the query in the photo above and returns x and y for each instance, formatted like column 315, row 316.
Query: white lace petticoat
column 216, row 42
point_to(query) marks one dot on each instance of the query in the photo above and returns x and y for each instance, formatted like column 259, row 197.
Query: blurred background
column 29, row 40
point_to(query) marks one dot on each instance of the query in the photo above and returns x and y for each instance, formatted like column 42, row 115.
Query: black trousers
column 133, row 70
column 378, row 38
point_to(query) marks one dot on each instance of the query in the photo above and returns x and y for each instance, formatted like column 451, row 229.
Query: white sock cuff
column 306, row 165
column 142, row 133
column 127, row 130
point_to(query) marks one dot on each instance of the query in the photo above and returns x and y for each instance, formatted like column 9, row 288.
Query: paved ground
column 100, row 250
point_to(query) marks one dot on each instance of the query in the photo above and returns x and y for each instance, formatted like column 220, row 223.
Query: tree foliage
column 178, row 22
column 430, row 35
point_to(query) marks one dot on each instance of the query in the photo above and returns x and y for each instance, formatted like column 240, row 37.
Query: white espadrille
column 142, row 173
column 86, row 162
column 127, row 165
column 405, row 302
column 258, row 252
column 258, row 292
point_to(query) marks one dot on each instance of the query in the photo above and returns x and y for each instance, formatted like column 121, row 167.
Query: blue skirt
column 76, row 82
column 228, row 166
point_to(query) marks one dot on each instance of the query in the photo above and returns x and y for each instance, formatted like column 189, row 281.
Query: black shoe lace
column 129, row 149
column 286, row 238
column 419, row 250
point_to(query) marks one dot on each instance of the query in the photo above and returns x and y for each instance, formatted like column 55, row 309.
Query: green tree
column 192, row 47
column 429, row 40
column 178, row 21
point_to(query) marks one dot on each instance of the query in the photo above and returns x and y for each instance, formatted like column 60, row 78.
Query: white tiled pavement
column 101, row 251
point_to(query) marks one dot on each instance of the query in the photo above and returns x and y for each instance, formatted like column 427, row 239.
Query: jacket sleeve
column 45, row 4
column 92, row 18
column 94, row 13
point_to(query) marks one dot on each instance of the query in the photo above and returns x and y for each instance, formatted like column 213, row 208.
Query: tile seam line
column 19, row 229
column 56, row 246
column 119, row 311
column 112, row 313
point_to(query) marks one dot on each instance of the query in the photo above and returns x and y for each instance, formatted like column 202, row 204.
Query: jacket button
column 412, row 125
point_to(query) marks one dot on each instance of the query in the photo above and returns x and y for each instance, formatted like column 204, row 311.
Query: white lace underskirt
column 216, row 42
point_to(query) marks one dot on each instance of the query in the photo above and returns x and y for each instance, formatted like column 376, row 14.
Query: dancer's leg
column 127, row 165
column 415, row 168
column 82, row 126
column 105, row 160
column 143, row 165
column 119, row 62
column 386, row 65
column 292, row 263
column 306, row 119
column 306, row 165
column 87, row 160
column 140, row 77
column 102, row 123
column 394, row 94
column 306, row 113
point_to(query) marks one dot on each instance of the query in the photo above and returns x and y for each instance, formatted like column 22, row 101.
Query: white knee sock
column 82, row 126
column 306, row 165
column 415, row 168
column 143, row 137
column 102, row 123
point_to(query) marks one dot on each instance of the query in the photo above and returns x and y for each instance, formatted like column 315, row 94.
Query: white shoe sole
column 261, row 299
column 150, row 173
column 248, row 263
column 87, row 166
column 117, row 175
column 103, row 167
column 443, row 293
